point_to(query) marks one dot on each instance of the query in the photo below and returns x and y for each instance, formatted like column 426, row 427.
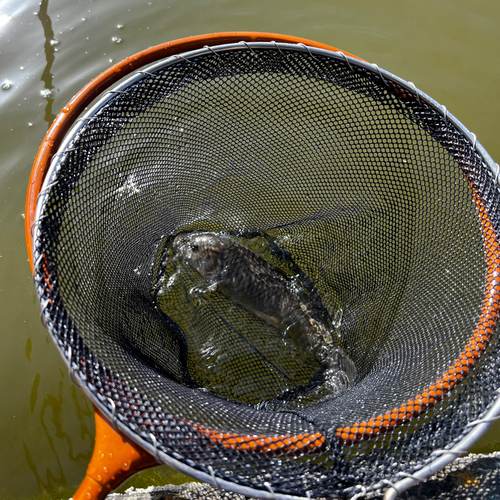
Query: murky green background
column 448, row 48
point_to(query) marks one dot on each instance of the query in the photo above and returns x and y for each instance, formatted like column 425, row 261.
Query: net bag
column 348, row 179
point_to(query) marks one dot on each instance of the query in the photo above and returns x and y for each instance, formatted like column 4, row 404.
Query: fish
column 276, row 297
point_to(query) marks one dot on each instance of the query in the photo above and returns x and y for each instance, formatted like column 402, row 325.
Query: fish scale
column 268, row 292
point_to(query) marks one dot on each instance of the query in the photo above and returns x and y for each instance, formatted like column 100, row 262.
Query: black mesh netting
column 473, row 477
column 374, row 198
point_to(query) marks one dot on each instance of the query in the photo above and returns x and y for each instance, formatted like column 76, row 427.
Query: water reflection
column 27, row 349
column 85, row 416
column 50, row 50
column 57, row 434
column 34, row 392
column 4, row 19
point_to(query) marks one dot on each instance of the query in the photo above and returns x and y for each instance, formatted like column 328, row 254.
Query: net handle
column 85, row 96
column 114, row 460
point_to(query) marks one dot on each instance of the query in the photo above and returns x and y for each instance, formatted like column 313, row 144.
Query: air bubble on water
column 337, row 319
column 30, row 124
column 83, row 19
column 46, row 93
column 110, row 60
column 6, row 85
column 21, row 68
column 119, row 26
column 129, row 188
column 116, row 39
column 54, row 42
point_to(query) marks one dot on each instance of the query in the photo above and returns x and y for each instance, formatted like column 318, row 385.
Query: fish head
column 202, row 251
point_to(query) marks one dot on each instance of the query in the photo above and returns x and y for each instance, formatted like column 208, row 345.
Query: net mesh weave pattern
column 366, row 186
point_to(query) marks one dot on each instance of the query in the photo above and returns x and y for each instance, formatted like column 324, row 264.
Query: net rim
column 436, row 464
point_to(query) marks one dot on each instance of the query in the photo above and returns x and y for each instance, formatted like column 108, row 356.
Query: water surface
column 49, row 50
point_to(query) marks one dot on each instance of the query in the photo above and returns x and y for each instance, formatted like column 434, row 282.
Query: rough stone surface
column 187, row 491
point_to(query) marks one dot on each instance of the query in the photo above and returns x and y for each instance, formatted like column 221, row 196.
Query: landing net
column 380, row 205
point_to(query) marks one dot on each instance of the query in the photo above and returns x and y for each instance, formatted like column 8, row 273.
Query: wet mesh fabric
column 475, row 477
column 371, row 193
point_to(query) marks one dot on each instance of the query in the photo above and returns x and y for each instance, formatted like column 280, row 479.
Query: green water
column 448, row 48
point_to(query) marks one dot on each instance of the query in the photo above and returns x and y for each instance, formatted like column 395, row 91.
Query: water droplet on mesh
column 46, row 93
column 6, row 85
column 30, row 124
column 337, row 319
column 116, row 39
column 119, row 26
column 54, row 42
